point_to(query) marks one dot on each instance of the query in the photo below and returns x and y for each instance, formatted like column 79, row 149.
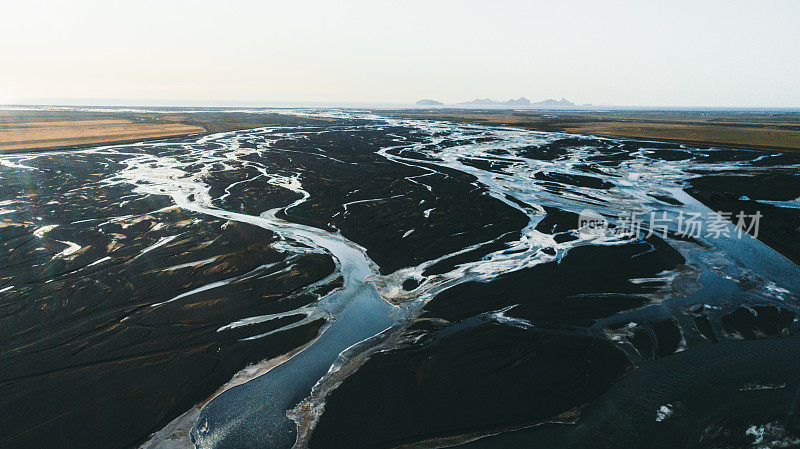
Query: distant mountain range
column 521, row 103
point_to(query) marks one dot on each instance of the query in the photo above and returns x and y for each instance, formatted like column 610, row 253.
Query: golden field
column 756, row 130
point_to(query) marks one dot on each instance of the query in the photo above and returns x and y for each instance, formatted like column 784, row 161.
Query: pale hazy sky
column 676, row 53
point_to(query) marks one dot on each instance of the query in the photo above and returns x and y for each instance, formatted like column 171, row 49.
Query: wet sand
column 773, row 196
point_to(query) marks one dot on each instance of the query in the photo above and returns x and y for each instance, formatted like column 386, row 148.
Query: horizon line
column 263, row 104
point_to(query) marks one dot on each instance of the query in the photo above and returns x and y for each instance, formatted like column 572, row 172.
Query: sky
column 648, row 53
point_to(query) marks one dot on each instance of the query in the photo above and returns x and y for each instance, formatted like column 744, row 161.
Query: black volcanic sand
column 526, row 349
column 89, row 356
column 461, row 371
column 716, row 392
column 386, row 205
column 87, row 360
column 451, row 373
column 779, row 227
column 421, row 391
column 562, row 293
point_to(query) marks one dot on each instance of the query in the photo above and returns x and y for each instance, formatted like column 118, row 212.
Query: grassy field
column 33, row 130
column 760, row 130
column 45, row 135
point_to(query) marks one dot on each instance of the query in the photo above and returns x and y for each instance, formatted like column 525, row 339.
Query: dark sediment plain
column 371, row 282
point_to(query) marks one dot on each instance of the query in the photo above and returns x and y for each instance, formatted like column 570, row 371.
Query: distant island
column 427, row 102
column 519, row 103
